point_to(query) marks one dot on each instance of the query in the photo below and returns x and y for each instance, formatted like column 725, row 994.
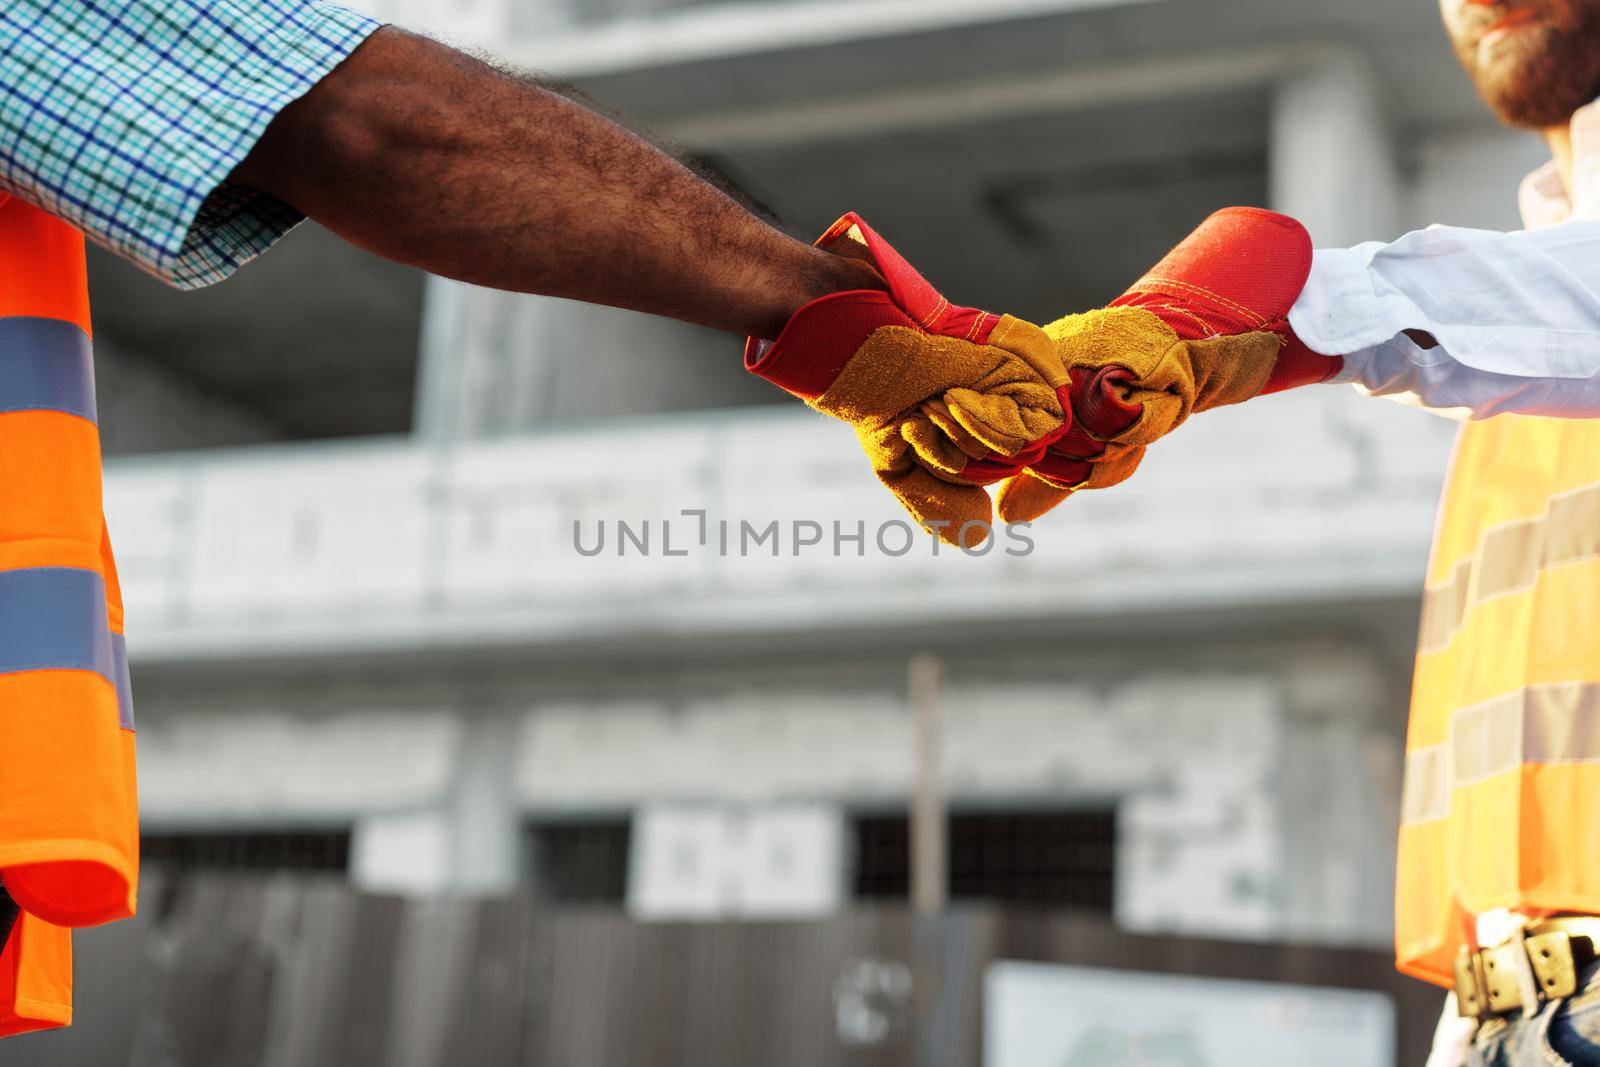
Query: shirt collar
column 1544, row 201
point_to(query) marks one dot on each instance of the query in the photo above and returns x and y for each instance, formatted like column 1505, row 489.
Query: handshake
column 946, row 400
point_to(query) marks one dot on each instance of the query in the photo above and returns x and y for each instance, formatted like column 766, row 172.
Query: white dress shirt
column 1516, row 315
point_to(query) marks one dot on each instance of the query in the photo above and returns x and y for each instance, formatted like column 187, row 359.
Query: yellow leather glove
column 943, row 399
column 1206, row 327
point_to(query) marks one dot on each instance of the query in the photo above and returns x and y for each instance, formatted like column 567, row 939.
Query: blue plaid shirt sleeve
column 125, row 117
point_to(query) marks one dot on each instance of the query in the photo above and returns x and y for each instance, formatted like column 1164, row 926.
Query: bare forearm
column 429, row 157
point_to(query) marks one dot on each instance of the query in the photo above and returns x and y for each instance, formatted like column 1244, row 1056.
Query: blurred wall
column 398, row 636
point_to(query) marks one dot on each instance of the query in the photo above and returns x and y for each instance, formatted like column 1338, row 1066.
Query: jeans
column 1564, row 1032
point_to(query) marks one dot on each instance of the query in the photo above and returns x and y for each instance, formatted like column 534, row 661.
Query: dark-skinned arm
column 429, row 157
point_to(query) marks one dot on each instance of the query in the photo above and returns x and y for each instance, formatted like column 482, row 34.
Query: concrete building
column 357, row 509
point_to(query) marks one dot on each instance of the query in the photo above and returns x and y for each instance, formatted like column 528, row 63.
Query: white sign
column 715, row 862
column 1046, row 1015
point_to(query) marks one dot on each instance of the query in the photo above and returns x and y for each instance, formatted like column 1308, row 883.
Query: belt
column 1541, row 964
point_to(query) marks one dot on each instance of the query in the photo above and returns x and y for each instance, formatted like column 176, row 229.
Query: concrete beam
column 713, row 31
column 385, row 548
column 931, row 106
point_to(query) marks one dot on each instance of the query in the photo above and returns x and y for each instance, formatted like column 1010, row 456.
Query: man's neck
column 1559, row 138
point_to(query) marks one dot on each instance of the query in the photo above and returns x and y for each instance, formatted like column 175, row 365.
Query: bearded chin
column 1544, row 81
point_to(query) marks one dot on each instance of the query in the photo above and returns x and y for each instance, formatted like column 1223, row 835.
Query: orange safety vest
column 69, row 836
column 1501, row 807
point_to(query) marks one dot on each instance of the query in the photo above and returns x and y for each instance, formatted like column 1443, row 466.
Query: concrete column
column 468, row 840
column 486, row 362
column 1332, row 155
column 485, row 822
column 1339, row 793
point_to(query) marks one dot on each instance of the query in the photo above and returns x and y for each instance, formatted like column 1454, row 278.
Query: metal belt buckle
column 1522, row 973
column 1554, row 964
column 1472, row 1000
column 1500, row 969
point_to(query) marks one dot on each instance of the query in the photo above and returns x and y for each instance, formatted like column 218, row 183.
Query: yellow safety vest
column 68, row 819
column 1501, row 807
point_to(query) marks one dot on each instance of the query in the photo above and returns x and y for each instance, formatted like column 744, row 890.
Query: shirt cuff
column 1339, row 313
column 225, row 226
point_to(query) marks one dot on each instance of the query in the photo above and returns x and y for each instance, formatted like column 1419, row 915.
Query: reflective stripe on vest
column 1510, row 558
column 1540, row 724
column 68, row 819
column 54, row 618
column 123, row 678
column 46, row 365
column 1502, row 784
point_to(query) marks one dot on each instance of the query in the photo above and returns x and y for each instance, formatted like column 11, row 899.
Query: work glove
column 943, row 399
column 1207, row 326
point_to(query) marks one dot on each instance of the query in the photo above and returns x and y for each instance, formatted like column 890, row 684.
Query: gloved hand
column 944, row 399
column 1207, row 326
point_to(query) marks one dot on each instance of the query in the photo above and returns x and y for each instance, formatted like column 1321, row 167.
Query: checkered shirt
column 125, row 117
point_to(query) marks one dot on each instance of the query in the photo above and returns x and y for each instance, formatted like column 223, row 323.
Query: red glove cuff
column 820, row 338
column 1241, row 270
column 1297, row 365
